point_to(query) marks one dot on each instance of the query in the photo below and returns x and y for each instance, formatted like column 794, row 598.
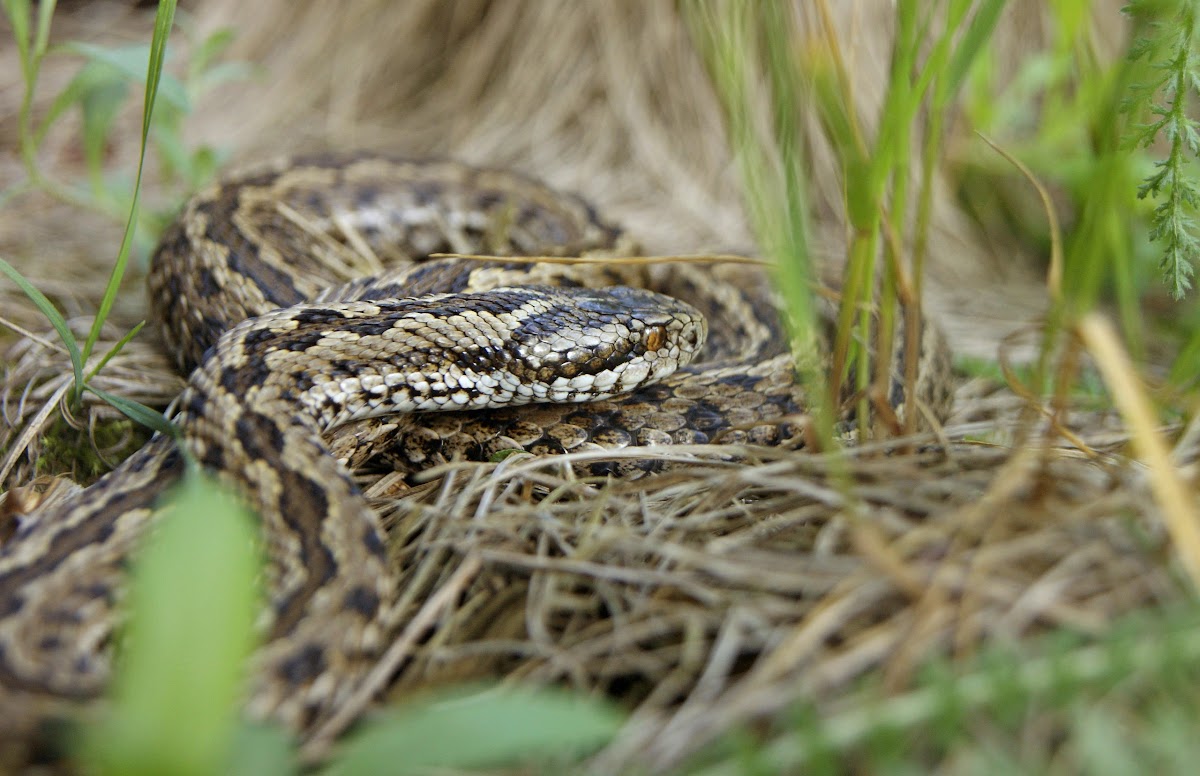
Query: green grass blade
column 193, row 600
column 42, row 38
column 794, row 262
column 30, row 53
column 972, row 44
column 162, row 28
column 17, row 12
column 115, row 349
column 137, row 412
column 742, row 46
column 479, row 729
column 47, row 308
column 209, row 51
column 158, row 50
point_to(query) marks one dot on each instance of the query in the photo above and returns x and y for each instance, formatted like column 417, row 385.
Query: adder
column 254, row 289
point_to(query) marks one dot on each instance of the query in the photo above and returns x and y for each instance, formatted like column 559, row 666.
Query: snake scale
column 257, row 292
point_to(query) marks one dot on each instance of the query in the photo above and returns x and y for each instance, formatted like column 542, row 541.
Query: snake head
column 595, row 343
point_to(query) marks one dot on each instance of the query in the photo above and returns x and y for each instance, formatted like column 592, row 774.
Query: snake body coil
column 257, row 292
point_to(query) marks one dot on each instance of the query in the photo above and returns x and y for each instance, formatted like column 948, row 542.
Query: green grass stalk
column 749, row 52
column 163, row 20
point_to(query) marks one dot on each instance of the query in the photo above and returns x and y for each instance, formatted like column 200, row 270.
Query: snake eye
column 656, row 338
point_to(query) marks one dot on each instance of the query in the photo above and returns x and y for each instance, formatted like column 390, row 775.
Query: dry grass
column 721, row 592
column 740, row 580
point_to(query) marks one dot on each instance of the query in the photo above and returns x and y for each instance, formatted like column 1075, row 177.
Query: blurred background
column 608, row 99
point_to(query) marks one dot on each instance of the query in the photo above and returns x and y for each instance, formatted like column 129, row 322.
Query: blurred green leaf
column 210, row 49
column 99, row 105
column 91, row 77
column 1104, row 746
column 193, row 600
column 130, row 63
column 477, row 729
column 972, row 44
column 261, row 750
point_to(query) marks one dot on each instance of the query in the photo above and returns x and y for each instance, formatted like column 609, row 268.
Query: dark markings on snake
column 365, row 195
column 11, row 605
column 303, row 505
column 427, row 192
column 97, row 590
column 238, row 380
column 257, row 339
column 174, row 239
column 370, row 328
column 277, row 286
column 374, row 542
column 64, row 616
column 206, row 283
column 194, row 404
column 210, row 458
column 706, row 417
column 259, row 435
column 741, row 380
column 208, row 331
column 307, row 664
column 318, row 315
column 363, row 601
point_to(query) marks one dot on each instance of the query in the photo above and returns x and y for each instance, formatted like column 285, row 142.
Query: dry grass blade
column 1174, row 498
column 316, row 748
column 715, row 258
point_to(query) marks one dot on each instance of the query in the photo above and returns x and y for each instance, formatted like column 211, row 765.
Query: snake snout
column 667, row 325
column 668, row 333
column 587, row 344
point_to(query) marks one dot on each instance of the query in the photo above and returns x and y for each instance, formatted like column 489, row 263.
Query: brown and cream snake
column 256, row 290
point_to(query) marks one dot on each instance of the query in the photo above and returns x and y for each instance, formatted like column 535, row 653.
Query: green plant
column 99, row 89
column 1076, row 141
column 765, row 87
column 192, row 601
column 1099, row 706
column 1167, row 39
column 32, row 48
column 743, row 47
column 1112, row 137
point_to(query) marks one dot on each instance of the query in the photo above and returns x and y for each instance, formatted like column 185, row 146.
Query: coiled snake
column 277, row 250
